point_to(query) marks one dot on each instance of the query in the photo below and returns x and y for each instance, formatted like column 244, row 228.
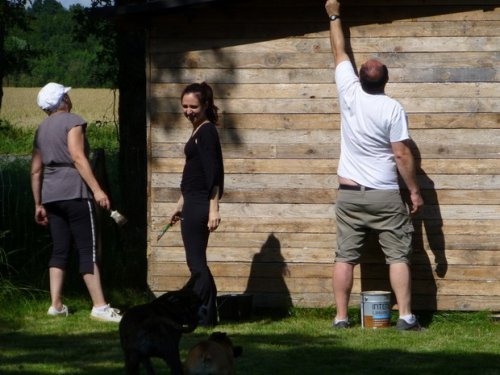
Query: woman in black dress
column 202, row 186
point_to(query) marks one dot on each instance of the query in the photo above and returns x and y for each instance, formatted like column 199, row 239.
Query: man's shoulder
column 344, row 67
column 345, row 75
column 394, row 102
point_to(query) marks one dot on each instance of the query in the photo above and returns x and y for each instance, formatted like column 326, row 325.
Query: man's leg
column 342, row 286
column 400, row 278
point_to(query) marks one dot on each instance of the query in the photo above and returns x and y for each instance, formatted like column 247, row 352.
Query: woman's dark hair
column 205, row 95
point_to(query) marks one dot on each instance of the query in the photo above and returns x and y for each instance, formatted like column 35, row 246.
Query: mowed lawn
column 302, row 343
column 19, row 105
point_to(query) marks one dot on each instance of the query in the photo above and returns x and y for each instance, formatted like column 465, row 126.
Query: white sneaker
column 55, row 312
column 109, row 314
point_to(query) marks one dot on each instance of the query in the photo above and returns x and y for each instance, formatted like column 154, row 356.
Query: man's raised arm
column 337, row 39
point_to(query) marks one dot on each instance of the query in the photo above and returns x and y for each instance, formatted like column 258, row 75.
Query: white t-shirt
column 369, row 123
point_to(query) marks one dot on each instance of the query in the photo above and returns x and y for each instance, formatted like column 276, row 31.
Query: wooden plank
column 453, row 148
column 310, row 196
column 277, row 195
column 324, row 151
column 323, row 285
column 279, row 59
column 305, row 270
column 323, row 256
column 314, row 15
column 327, row 225
column 260, row 181
column 275, row 225
column 444, row 137
column 319, row 166
column 319, row 75
column 237, row 181
column 328, row 106
column 161, row 91
column 265, row 151
column 315, row 243
column 403, row 28
column 255, row 166
column 322, row 45
column 322, row 211
column 167, row 121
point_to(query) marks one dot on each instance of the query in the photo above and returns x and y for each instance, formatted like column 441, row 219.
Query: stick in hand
column 163, row 231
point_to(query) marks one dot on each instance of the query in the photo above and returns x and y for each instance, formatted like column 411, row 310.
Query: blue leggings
column 72, row 219
column 195, row 235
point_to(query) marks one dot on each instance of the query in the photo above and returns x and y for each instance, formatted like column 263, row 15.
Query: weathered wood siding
column 271, row 68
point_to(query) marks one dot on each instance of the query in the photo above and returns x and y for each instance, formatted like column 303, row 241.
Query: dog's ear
column 218, row 336
column 173, row 298
column 191, row 281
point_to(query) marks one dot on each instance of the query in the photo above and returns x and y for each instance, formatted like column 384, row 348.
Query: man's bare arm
column 337, row 39
column 405, row 163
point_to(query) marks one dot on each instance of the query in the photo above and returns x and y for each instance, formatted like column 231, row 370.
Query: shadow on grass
column 287, row 353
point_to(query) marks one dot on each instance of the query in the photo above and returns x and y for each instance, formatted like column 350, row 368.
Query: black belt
column 59, row 165
column 355, row 187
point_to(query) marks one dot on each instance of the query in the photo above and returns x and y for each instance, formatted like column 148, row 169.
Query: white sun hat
column 50, row 95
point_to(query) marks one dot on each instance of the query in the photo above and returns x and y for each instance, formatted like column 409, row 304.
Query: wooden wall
column 271, row 67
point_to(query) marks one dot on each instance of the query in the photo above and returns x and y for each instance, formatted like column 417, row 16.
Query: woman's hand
column 176, row 216
column 213, row 219
column 102, row 199
column 41, row 215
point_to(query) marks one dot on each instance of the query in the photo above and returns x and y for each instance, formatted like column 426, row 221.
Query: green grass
column 17, row 140
column 303, row 343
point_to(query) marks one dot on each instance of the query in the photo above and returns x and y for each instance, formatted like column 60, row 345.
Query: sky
column 67, row 3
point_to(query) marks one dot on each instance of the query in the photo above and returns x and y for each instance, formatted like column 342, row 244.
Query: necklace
column 198, row 127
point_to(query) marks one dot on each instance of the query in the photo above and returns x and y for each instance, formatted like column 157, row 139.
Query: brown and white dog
column 214, row 356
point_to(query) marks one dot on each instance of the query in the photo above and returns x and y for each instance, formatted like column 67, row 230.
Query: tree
column 12, row 15
column 62, row 45
column 90, row 26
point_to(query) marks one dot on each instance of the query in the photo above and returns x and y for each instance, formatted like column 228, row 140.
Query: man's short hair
column 373, row 79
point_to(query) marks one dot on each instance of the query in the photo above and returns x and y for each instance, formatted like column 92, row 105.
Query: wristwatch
column 333, row 17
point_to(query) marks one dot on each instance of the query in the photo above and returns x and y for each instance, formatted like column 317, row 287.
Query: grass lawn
column 303, row 343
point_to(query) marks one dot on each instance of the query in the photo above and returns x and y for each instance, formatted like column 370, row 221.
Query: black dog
column 154, row 329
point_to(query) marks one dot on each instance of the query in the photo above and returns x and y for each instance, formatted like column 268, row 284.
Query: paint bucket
column 235, row 306
column 375, row 309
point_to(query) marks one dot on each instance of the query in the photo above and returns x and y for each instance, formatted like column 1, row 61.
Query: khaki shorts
column 381, row 211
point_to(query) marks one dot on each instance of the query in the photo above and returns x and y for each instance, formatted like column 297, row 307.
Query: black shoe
column 341, row 324
column 402, row 325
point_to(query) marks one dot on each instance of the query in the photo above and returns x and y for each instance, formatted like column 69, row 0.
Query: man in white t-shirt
column 374, row 148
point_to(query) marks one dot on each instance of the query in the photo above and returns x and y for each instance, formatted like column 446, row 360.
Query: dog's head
column 223, row 339
column 214, row 356
column 181, row 305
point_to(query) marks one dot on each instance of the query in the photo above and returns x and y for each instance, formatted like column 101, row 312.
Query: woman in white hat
column 64, row 189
